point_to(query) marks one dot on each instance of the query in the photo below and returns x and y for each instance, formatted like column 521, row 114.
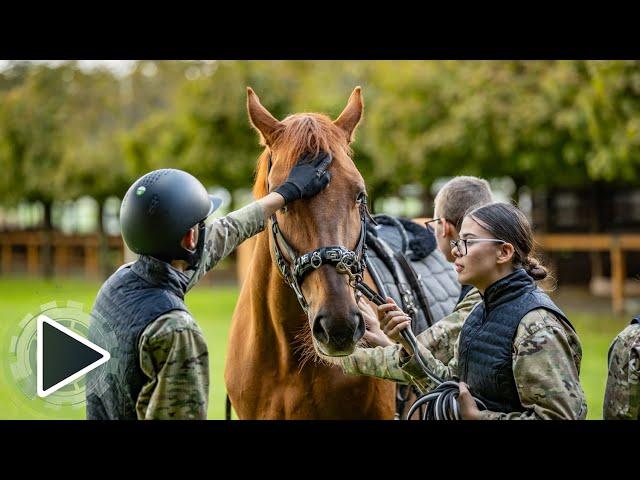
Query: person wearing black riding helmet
column 159, row 359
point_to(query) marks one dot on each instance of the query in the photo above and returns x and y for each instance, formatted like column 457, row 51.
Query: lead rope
column 441, row 402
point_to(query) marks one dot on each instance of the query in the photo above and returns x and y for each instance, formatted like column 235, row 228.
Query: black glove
column 307, row 178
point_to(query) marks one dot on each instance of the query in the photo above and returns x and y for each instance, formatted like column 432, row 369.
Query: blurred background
column 559, row 138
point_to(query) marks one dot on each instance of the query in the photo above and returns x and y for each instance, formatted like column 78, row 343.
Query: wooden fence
column 64, row 250
column 616, row 244
column 13, row 244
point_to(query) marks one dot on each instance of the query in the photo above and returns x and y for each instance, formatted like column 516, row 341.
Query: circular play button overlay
column 48, row 355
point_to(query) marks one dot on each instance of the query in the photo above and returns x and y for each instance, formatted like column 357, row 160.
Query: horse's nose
column 338, row 334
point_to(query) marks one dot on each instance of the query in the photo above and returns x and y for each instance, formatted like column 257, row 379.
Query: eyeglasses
column 462, row 245
column 428, row 224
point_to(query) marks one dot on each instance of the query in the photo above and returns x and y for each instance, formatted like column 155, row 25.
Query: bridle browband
column 294, row 268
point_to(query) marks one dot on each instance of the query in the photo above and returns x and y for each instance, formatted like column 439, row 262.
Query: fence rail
column 62, row 246
column 616, row 244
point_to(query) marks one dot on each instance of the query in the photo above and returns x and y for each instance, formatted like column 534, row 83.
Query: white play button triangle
column 63, row 356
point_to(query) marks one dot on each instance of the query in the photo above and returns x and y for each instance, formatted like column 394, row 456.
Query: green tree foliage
column 32, row 134
column 207, row 133
column 66, row 133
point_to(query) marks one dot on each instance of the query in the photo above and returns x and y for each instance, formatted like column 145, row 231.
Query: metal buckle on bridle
column 348, row 259
column 316, row 260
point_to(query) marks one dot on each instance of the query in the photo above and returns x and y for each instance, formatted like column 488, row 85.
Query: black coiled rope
column 441, row 402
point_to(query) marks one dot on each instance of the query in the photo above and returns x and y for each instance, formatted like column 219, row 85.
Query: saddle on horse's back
column 405, row 265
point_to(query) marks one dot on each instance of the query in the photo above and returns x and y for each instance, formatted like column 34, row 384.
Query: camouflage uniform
column 546, row 366
column 173, row 354
column 173, row 351
column 622, row 395
column 441, row 339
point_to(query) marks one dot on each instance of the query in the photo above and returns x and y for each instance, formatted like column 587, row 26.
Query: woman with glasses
column 381, row 358
column 517, row 351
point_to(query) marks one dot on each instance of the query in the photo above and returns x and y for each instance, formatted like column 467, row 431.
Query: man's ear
column 189, row 240
column 447, row 228
column 505, row 253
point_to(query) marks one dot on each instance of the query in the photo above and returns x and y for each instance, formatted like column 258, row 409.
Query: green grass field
column 212, row 308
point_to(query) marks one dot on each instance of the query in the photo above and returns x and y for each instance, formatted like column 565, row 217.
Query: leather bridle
column 294, row 268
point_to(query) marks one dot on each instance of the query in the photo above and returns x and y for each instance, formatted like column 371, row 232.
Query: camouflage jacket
column 173, row 351
column 546, row 366
column 622, row 395
column 440, row 339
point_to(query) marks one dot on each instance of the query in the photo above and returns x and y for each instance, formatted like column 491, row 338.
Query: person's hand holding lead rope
column 450, row 400
column 392, row 319
column 374, row 335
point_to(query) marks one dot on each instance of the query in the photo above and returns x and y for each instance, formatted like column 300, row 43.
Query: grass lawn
column 212, row 308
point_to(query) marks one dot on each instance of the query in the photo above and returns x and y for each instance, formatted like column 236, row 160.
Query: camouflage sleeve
column 442, row 336
column 224, row 234
column 173, row 355
column 546, row 367
column 446, row 371
column 622, row 395
column 440, row 339
column 381, row 362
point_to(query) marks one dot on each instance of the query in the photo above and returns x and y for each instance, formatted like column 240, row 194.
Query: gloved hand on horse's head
column 307, row 178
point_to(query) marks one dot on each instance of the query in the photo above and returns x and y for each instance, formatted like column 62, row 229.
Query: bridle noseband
column 294, row 268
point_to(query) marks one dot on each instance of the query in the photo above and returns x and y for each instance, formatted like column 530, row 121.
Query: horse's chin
column 323, row 352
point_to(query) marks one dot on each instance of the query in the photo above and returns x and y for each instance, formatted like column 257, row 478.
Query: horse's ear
column 350, row 116
column 260, row 117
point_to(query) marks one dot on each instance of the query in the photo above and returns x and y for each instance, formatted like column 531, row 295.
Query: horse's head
column 332, row 218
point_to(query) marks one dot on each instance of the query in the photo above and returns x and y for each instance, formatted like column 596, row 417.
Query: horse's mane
column 300, row 133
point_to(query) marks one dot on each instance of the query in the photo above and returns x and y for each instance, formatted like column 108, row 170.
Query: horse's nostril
column 320, row 330
column 361, row 327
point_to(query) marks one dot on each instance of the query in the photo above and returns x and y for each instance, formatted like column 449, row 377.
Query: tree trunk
column 372, row 196
column 104, row 265
column 595, row 258
column 47, row 247
column 427, row 203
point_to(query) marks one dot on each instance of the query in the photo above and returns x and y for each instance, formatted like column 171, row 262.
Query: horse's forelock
column 302, row 132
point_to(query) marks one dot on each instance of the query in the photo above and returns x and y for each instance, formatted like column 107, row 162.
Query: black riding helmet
column 160, row 208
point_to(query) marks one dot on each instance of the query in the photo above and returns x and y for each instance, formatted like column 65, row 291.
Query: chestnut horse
column 273, row 370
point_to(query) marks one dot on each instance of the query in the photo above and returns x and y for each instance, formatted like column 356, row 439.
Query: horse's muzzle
column 338, row 335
